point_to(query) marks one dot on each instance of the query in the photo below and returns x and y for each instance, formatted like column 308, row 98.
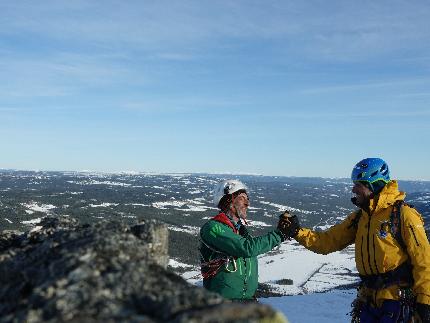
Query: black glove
column 424, row 312
column 289, row 225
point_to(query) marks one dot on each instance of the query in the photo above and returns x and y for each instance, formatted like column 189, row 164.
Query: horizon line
column 130, row 172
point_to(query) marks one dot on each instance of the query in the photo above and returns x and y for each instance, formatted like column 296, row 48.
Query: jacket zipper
column 362, row 256
column 245, row 279
column 415, row 237
column 240, row 266
column 368, row 246
column 374, row 255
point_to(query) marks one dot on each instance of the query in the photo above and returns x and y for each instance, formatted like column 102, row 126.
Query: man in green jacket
column 228, row 252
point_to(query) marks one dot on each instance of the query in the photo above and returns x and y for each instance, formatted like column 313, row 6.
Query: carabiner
column 234, row 265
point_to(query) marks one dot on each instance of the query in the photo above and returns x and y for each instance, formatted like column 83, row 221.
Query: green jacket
column 221, row 239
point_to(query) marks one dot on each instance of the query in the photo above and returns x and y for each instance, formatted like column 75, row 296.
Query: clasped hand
column 289, row 225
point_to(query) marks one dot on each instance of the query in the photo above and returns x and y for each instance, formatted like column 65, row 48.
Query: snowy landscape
column 306, row 287
column 322, row 289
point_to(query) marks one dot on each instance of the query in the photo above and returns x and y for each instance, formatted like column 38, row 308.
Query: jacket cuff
column 423, row 298
column 281, row 235
column 302, row 233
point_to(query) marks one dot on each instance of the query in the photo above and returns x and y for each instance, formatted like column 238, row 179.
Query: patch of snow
column 304, row 267
column 323, row 227
column 34, row 207
column 175, row 264
column 165, row 204
column 282, row 208
column 186, row 228
column 191, row 208
column 258, row 223
column 94, row 182
column 32, row 221
column 191, row 205
column 193, row 276
column 329, row 307
column 425, row 198
column 36, row 228
column 103, row 205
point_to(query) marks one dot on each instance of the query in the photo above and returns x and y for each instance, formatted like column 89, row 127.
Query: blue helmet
column 371, row 170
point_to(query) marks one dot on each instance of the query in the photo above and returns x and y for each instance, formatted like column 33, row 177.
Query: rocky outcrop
column 109, row 272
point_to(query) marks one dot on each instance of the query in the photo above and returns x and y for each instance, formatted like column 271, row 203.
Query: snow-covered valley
column 313, row 287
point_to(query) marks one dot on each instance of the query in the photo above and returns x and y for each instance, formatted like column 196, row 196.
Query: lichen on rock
column 107, row 272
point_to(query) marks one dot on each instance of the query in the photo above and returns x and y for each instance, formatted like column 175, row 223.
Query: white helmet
column 227, row 187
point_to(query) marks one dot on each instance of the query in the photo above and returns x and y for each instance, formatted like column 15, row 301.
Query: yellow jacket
column 376, row 252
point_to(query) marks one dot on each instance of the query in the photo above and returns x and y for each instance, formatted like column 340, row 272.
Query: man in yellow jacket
column 392, row 251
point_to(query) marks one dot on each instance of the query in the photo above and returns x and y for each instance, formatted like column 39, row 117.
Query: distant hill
column 183, row 201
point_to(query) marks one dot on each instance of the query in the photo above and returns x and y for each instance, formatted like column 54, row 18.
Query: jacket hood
column 389, row 194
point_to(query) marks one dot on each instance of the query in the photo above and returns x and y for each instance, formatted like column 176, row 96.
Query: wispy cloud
column 415, row 95
column 313, row 29
column 347, row 114
column 367, row 85
column 63, row 74
column 184, row 104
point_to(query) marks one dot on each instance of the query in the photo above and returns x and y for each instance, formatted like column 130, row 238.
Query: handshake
column 289, row 225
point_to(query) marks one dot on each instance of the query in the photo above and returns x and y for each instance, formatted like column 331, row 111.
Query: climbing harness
column 407, row 300
column 212, row 267
column 399, row 275
column 406, row 306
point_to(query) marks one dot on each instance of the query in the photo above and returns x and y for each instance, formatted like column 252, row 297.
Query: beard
column 362, row 203
column 354, row 201
column 241, row 213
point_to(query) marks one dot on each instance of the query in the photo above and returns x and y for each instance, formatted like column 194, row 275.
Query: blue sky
column 296, row 88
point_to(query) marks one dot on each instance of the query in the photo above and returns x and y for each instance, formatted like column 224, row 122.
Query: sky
column 293, row 88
